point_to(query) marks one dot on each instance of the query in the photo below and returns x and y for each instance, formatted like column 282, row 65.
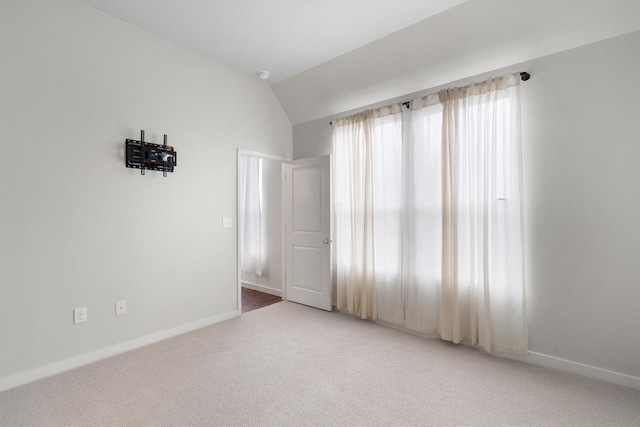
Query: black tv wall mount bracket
column 145, row 155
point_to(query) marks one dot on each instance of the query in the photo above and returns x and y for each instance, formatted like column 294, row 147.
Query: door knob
column 327, row 241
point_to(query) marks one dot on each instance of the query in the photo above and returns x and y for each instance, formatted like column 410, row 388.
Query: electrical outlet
column 227, row 223
column 121, row 307
column 79, row 315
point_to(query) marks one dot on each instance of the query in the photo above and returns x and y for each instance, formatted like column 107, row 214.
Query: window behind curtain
column 398, row 175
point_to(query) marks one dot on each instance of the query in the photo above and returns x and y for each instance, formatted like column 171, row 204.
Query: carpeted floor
column 290, row 365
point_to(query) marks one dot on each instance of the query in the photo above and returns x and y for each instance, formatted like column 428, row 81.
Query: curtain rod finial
column 524, row 76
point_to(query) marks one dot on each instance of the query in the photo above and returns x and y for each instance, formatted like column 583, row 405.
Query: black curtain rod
column 524, row 76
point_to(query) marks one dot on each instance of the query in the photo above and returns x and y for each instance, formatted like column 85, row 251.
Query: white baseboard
column 578, row 368
column 261, row 288
column 547, row 361
column 78, row 361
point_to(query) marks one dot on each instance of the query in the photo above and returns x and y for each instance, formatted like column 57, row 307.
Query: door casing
column 284, row 161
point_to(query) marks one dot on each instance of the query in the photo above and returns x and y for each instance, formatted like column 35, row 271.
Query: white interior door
column 308, row 232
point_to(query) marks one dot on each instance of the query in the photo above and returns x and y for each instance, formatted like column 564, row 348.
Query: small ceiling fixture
column 264, row 75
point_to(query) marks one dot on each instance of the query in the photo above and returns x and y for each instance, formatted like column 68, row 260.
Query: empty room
column 320, row 212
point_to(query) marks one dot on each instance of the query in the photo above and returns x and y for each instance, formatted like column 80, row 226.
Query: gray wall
column 581, row 133
column 581, row 137
column 78, row 228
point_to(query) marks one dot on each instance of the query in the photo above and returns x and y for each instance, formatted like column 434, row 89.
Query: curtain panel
column 366, row 205
column 250, row 215
column 428, row 215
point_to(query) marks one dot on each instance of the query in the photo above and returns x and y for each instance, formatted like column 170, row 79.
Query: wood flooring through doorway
column 252, row 300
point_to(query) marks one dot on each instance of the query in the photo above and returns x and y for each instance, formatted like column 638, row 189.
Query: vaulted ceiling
column 329, row 56
column 284, row 37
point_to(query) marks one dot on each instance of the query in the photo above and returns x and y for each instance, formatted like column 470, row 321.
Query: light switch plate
column 121, row 307
column 227, row 223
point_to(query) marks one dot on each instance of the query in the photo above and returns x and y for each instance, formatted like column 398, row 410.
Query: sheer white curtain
column 250, row 215
column 428, row 219
column 367, row 212
column 482, row 270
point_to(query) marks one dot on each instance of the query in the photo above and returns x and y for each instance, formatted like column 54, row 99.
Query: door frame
column 249, row 153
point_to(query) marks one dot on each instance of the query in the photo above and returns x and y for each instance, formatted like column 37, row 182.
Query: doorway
column 253, row 300
column 260, row 226
column 284, row 228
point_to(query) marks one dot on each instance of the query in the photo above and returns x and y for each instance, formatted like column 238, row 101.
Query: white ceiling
column 331, row 56
column 284, row 37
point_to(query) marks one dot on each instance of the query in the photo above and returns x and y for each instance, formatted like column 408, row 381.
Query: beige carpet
column 290, row 365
